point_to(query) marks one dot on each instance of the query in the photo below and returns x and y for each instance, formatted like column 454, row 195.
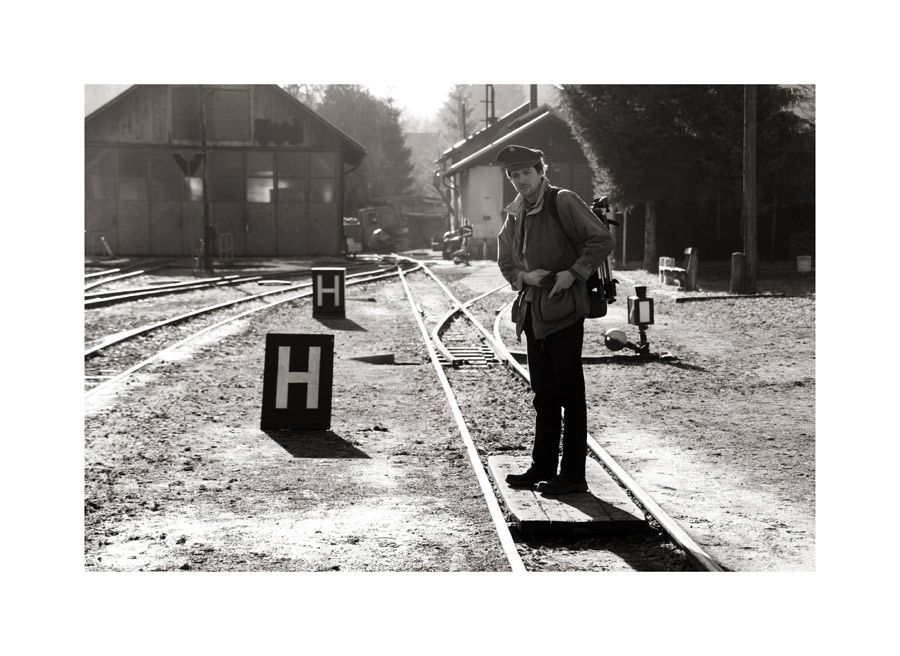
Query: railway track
column 109, row 297
column 461, row 351
column 99, row 376
column 100, row 278
column 492, row 350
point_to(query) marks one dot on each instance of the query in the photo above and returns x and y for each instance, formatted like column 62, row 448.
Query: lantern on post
column 640, row 314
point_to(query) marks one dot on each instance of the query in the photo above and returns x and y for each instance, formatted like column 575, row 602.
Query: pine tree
column 457, row 117
column 682, row 144
column 375, row 124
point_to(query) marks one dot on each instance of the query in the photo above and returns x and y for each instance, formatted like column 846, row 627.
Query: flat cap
column 519, row 156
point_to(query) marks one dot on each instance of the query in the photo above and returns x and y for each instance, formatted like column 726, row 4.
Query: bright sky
column 419, row 99
column 422, row 100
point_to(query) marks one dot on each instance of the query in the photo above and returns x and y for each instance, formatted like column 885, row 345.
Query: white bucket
column 804, row 263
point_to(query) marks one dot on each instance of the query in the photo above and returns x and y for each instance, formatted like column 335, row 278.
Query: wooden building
column 253, row 163
column 479, row 190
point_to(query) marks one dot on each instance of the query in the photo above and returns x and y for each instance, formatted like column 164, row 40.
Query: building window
column 100, row 173
column 193, row 189
column 291, row 190
column 321, row 165
column 291, row 177
column 133, row 174
column 166, row 177
column 228, row 166
column 260, row 190
column 260, row 177
column 260, row 163
column 291, row 165
column 322, row 187
column 321, row 191
column 191, row 176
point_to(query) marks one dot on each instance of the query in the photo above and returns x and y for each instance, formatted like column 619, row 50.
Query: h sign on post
column 297, row 381
column 328, row 291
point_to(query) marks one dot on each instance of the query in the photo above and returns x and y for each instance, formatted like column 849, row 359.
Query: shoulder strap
column 552, row 192
column 551, row 202
column 593, row 280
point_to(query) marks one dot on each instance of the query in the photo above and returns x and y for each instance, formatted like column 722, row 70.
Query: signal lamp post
column 640, row 314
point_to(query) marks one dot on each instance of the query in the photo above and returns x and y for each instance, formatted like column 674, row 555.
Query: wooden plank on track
column 523, row 505
column 603, row 509
column 616, row 502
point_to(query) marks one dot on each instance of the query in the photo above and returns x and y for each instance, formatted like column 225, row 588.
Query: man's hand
column 564, row 280
column 534, row 278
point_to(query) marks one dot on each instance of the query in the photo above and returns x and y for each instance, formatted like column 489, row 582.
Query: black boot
column 563, row 484
column 528, row 478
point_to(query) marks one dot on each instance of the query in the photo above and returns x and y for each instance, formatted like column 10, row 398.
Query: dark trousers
column 557, row 379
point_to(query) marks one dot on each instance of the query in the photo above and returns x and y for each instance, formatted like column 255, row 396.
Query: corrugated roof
column 478, row 137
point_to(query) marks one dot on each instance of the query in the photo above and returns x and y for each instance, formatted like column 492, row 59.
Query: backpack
column 598, row 292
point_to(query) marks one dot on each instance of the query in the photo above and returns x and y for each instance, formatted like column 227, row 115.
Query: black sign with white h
column 328, row 291
column 297, row 381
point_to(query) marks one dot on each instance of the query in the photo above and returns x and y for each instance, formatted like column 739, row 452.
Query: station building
column 247, row 166
column 477, row 184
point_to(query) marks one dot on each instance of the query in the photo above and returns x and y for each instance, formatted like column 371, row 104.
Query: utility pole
column 749, row 212
column 489, row 116
column 207, row 218
column 462, row 117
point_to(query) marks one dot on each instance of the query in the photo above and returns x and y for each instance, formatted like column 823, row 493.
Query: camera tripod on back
column 606, row 284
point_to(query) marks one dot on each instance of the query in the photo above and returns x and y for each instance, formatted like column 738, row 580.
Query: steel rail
column 158, row 287
column 156, row 356
column 498, row 348
column 113, row 279
column 122, row 276
column 98, row 299
column 445, row 320
column 127, row 267
column 506, row 539
column 149, row 265
column 103, row 299
column 163, row 285
column 100, row 273
column 678, row 535
column 122, row 337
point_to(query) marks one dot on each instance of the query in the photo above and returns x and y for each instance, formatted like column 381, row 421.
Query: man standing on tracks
column 547, row 257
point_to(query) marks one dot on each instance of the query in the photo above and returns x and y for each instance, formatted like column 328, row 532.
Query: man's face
column 527, row 182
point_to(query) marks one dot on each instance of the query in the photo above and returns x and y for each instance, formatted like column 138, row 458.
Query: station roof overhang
column 489, row 152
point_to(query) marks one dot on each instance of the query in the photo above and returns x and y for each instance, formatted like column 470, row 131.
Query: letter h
column 336, row 290
column 286, row 376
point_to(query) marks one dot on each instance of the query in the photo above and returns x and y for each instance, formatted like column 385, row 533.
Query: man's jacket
column 532, row 238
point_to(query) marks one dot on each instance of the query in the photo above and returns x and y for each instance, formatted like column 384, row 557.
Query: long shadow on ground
column 314, row 444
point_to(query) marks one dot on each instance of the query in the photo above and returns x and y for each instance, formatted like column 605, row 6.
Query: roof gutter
column 468, row 161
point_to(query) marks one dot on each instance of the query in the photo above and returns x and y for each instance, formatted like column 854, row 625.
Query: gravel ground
column 723, row 436
column 179, row 477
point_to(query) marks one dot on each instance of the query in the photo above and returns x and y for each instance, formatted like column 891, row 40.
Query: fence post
column 737, row 273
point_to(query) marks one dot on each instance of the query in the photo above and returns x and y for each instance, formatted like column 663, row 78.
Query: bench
column 665, row 263
column 685, row 276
